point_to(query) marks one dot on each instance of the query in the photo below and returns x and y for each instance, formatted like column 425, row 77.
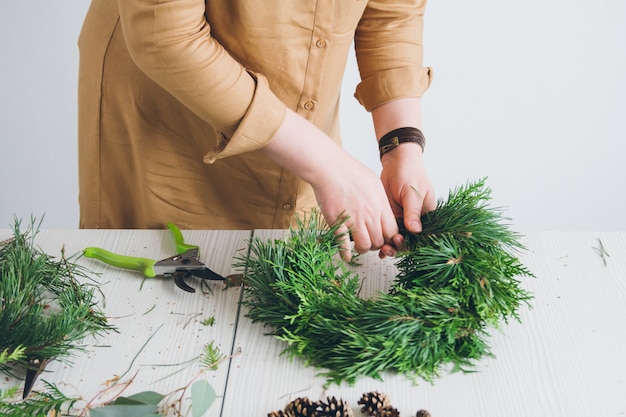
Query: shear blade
column 206, row 273
column 32, row 374
column 179, row 280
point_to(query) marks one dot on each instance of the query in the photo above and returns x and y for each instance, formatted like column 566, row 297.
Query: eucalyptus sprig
column 456, row 279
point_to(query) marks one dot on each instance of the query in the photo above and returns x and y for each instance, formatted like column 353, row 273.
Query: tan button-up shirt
column 176, row 96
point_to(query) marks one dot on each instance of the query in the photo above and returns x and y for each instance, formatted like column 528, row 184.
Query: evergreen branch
column 44, row 308
column 211, row 357
column 11, row 356
column 601, row 251
column 41, row 404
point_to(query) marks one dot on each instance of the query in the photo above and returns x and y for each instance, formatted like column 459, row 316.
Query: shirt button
column 309, row 105
column 320, row 43
column 287, row 206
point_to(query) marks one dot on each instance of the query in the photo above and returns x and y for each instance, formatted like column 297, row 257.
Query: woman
column 223, row 114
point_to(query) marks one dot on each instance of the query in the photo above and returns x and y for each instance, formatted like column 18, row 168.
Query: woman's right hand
column 355, row 191
column 343, row 186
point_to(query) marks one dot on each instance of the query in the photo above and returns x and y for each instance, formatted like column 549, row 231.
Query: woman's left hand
column 408, row 188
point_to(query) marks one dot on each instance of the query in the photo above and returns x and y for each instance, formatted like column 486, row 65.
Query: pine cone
column 422, row 413
column 389, row 411
column 279, row 413
column 373, row 402
column 301, row 407
column 334, row 408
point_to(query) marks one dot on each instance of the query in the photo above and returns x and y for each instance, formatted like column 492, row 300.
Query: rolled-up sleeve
column 170, row 40
column 389, row 51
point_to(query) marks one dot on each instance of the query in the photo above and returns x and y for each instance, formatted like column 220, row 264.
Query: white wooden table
column 566, row 358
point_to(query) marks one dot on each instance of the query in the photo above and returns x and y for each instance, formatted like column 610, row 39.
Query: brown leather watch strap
column 402, row 135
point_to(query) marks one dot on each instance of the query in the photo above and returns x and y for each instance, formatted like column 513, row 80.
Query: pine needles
column 45, row 312
column 211, row 357
column 455, row 280
column 48, row 402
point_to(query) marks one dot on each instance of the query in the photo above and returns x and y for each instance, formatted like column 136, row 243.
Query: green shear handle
column 143, row 265
column 181, row 246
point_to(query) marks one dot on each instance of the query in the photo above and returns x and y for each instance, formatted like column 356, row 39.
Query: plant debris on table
column 48, row 307
column 456, row 279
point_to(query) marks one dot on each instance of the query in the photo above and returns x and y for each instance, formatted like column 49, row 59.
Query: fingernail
column 415, row 226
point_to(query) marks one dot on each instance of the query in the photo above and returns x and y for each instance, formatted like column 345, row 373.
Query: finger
column 412, row 203
column 382, row 231
column 376, row 237
column 398, row 242
column 387, row 250
column 362, row 240
column 345, row 247
column 389, row 226
column 430, row 203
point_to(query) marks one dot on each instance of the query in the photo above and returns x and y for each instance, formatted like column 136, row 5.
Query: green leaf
column 135, row 410
column 127, row 401
column 202, row 396
column 146, row 397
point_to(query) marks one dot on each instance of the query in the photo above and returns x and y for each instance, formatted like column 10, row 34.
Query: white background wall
column 530, row 94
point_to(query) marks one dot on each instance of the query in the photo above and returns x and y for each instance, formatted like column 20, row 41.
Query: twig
column 193, row 316
column 140, row 350
column 186, row 363
column 289, row 394
column 206, row 289
column 602, row 251
column 121, row 387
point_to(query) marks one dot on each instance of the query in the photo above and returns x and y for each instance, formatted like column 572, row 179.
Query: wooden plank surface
column 566, row 358
column 161, row 334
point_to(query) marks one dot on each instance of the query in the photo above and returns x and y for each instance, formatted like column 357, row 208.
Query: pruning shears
column 179, row 267
column 34, row 369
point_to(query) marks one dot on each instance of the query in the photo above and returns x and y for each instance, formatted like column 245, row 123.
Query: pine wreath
column 456, row 279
